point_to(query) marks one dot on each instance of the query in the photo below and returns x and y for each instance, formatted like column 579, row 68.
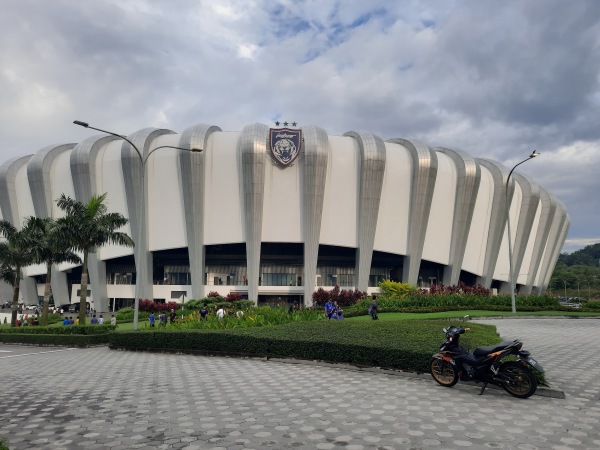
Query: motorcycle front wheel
column 443, row 372
column 518, row 380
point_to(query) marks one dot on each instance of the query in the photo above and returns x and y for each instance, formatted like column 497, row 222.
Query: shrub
column 261, row 316
column 404, row 345
column 233, row 297
column 126, row 315
column 344, row 298
column 418, row 302
column 460, row 288
column 395, row 289
column 593, row 305
column 71, row 329
column 70, row 340
column 149, row 306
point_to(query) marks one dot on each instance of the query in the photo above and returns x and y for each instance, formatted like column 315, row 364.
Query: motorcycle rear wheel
column 519, row 380
column 443, row 372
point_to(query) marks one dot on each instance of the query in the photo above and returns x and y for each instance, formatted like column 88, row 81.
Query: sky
column 495, row 79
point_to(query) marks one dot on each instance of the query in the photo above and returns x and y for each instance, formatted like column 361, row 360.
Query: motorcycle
column 485, row 365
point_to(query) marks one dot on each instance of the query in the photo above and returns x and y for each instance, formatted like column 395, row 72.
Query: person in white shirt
column 220, row 312
column 100, row 320
column 113, row 320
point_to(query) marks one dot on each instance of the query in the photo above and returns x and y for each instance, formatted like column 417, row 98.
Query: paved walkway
column 97, row 398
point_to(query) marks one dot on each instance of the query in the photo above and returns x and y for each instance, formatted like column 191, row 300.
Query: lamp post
column 510, row 252
column 589, row 282
column 142, row 222
column 565, row 283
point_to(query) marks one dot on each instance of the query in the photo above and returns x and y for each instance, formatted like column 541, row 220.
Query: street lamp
column 143, row 160
column 565, row 283
column 589, row 282
column 510, row 253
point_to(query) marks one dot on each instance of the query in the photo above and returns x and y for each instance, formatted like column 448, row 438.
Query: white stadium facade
column 326, row 210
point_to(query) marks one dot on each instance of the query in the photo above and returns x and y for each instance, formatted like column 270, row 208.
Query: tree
column 16, row 252
column 87, row 227
column 50, row 248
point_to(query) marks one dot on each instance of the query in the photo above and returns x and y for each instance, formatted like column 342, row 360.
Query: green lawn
column 144, row 325
column 474, row 313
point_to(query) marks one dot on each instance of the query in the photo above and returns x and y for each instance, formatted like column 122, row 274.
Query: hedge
column 419, row 303
column 61, row 330
column 69, row 340
column 404, row 345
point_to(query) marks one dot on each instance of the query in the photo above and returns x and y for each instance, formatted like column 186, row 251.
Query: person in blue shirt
column 152, row 318
column 66, row 321
column 329, row 309
column 339, row 315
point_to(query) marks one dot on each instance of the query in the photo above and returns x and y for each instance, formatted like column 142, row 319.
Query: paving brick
column 121, row 403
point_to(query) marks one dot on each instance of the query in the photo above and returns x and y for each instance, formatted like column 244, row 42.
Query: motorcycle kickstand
column 483, row 388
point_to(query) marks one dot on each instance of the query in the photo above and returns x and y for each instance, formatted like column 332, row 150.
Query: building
column 274, row 225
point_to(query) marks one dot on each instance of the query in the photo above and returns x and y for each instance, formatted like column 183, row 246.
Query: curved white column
column 132, row 167
column 84, row 160
column 468, row 178
column 39, row 174
column 548, row 205
column 527, row 213
column 424, row 172
column 192, row 170
column 313, row 167
column 372, row 169
column 497, row 218
column 253, row 148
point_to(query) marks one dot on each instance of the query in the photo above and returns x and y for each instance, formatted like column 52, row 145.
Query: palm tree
column 87, row 227
column 16, row 252
column 50, row 248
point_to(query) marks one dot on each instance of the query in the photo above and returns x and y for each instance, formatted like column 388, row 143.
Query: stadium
column 274, row 213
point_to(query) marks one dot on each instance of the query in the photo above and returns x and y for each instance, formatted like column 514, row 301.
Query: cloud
column 496, row 79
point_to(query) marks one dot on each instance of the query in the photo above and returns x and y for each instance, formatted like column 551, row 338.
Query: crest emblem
column 285, row 145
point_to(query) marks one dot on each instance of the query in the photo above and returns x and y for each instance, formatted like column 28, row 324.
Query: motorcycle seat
column 482, row 351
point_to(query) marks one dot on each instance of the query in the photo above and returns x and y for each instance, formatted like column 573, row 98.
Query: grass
column 144, row 325
column 473, row 313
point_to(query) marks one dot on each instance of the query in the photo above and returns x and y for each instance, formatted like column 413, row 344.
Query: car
column 74, row 307
column 63, row 308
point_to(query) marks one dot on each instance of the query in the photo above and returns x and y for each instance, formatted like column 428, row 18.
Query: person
column 71, row 321
column 76, row 321
column 152, row 318
column 162, row 318
column 329, row 309
column 113, row 320
column 339, row 315
column 100, row 320
column 172, row 316
column 220, row 312
column 66, row 321
column 5, row 321
column 203, row 312
column 373, row 310
column 94, row 320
